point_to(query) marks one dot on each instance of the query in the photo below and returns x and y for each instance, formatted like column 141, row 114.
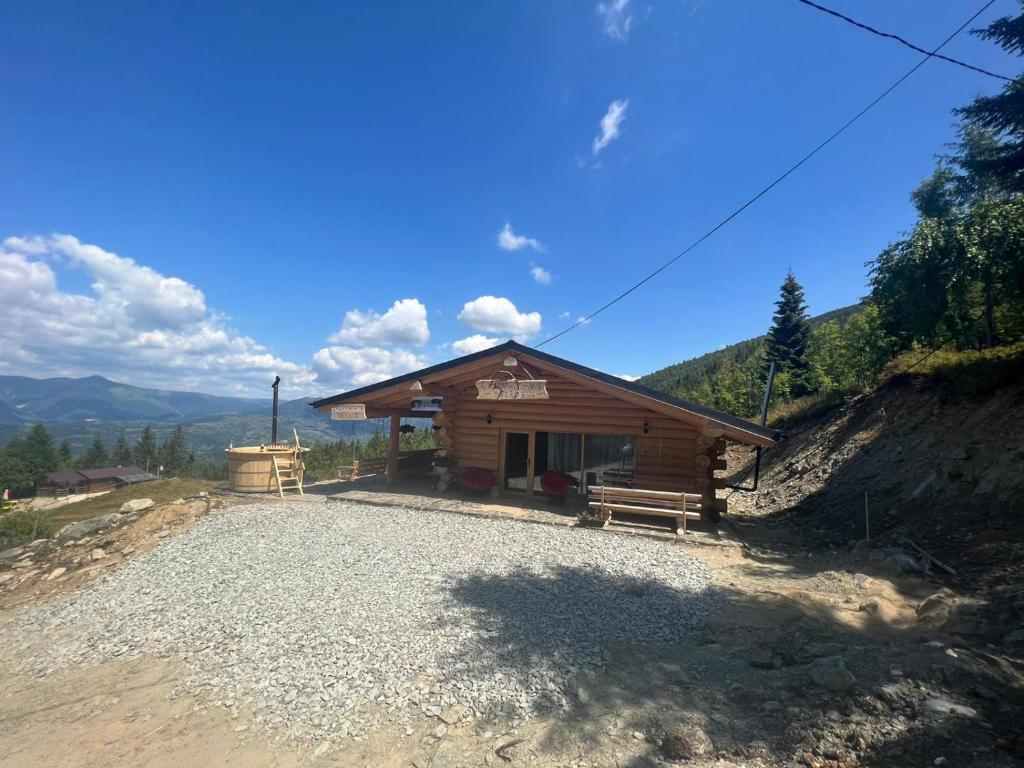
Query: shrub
column 19, row 526
column 970, row 372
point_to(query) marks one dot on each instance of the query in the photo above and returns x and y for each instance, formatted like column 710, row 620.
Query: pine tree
column 145, row 453
column 789, row 334
column 39, row 453
column 65, row 457
column 122, row 456
column 174, row 455
column 96, row 455
column 1002, row 115
column 15, row 474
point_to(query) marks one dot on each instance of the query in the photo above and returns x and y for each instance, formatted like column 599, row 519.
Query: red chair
column 477, row 478
column 554, row 483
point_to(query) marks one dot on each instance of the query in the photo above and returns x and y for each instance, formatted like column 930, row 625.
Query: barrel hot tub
column 251, row 468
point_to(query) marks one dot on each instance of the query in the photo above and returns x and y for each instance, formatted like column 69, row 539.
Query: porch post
column 392, row 476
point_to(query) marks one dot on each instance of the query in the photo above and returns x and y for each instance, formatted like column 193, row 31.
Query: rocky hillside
column 940, row 466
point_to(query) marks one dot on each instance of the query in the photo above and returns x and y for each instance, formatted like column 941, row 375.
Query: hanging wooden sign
column 428, row 404
column 351, row 412
column 511, row 389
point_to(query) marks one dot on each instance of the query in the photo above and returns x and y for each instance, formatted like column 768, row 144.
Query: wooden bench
column 638, row 501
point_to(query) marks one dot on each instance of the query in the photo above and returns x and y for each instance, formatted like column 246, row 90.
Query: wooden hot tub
column 251, row 468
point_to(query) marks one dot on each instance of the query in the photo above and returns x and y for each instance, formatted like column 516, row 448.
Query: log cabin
column 520, row 412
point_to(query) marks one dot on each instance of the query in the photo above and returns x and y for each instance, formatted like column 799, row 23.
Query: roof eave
column 741, row 430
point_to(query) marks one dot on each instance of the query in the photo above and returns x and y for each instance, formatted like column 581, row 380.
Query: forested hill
column 701, row 379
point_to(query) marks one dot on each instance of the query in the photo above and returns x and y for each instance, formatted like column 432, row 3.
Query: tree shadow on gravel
column 743, row 677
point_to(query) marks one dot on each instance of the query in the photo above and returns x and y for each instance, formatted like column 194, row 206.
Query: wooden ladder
column 288, row 478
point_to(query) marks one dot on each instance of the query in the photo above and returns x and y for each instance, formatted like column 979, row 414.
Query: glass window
column 609, row 459
column 557, row 452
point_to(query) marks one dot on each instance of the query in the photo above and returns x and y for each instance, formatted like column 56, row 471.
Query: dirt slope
column 943, row 469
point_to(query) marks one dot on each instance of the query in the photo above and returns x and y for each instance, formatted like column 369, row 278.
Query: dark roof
column 512, row 346
column 64, row 477
column 108, row 473
column 139, row 477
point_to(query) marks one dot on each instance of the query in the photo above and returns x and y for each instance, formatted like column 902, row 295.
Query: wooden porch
column 419, row 493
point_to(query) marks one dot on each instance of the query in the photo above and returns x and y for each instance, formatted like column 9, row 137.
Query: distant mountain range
column 24, row 400
column 82, row 409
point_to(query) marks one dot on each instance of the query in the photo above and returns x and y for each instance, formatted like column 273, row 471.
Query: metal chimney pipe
column 273, row 424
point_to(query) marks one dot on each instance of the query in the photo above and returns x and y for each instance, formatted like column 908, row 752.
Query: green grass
column 970, row 372
column 157, row 490
column 19, row 526
column 802, row 408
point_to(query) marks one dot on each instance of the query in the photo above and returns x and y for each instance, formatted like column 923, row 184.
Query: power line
column 928, row 54
column 905, row 42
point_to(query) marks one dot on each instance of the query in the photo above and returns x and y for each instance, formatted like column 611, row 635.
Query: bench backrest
column 642, row 497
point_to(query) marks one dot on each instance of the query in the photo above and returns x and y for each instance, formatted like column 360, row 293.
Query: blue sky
column 203, row 195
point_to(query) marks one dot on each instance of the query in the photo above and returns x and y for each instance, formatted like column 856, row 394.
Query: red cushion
column 477, row 478
column 554, row 483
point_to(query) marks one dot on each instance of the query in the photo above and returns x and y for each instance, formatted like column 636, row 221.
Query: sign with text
column 511, row 389
column 351, row 412
column 428, row 403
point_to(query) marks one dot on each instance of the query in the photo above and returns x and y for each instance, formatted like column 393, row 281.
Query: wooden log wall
column 671, row 454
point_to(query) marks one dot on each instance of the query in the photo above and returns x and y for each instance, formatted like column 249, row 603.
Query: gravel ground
column 327, row 620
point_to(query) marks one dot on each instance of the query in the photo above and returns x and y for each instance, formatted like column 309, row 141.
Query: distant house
column 92, row 480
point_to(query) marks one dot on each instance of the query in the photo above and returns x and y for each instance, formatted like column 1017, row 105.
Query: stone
column 819, row 650
column 942, row 706
column 441, row 760
column 831, row 674
column 136, row 505
column 451, row 715
column 889, row 693
column 84, row 528
column 686, row 742
column 12, row 553
column 764, row 657
column 55, row 573
column 899, row 562
column 97, row 554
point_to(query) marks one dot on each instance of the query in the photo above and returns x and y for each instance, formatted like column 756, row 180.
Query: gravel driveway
column 326, row 620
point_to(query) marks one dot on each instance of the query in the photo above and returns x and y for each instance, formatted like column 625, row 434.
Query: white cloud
column 583, row 320
column 475, row 343
column 510, row 241
column 360, row 367
column 493, row 314
column 616, row 19
column 540, row 275
column 610, row 124
column 626, row 376
column 136, row 325
column 404, row 323
column 564, row 315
